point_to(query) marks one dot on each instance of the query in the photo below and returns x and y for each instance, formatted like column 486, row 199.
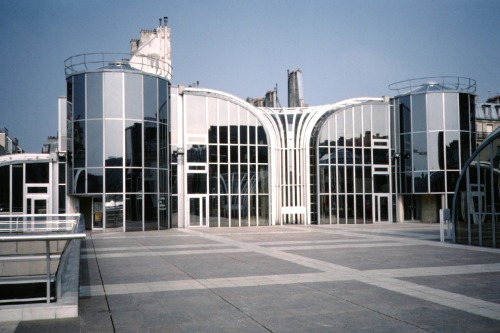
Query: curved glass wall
column 476, row 203
column 434, row 135
column 436, row 132
column 226, row 164
column 118, row 147
column 353, row 163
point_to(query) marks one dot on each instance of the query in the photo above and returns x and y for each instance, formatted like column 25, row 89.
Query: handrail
column 36, row 223
column 44, row 228
column 457, row 83
column 93, row 61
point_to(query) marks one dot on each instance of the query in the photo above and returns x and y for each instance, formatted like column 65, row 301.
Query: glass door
column 197, row 214
column 97, row 216
column 37, row 206
column 382, row 206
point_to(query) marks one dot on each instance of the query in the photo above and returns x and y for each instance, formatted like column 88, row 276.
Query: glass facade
column 118, row 147
column 434, row 128
column 353, row 165
column 32, row 184
column 223, row 164
column 476, row 204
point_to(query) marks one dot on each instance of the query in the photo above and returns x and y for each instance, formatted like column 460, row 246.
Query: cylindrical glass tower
column 118, row 143
column 434, row 126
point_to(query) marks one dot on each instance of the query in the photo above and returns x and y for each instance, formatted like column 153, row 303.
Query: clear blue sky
column 345, row 48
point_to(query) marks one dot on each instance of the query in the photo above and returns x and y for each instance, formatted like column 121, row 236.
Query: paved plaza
column 357, row 278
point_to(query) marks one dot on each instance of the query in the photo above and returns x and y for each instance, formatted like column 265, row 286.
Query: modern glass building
column 118, row 139
column 476, row 204
column 351, row 172
column 220, row 161
column 434, row 134
column 32, row 184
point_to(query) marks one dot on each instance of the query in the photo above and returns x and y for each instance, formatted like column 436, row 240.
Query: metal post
column 47, row 247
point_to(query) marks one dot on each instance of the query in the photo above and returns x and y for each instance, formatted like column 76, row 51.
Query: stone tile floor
column 372, row 278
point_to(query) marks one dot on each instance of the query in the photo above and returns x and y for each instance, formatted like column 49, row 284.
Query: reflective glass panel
column 418, row 112
column 367, row 123
column 113, row 152
column 380, row 124
column 114, row 180
column 150, row 144
column 94, row 96
column 37, row 173
column 133, row 96
column 151, row 212
column 435, row 112
column 133, row 209
column 358, row 129
column 451, row 116
column 163, row 104
column 348, row 133
column 150, row 180
column 197, row 183
column 150, row 97
column 133, row 143
column 95, row 180
column 113, row 95
column 435, row 153
column 95, row 141
column 420, row 181
column 133, row 179
column 452, row 150
column 79, row 97
column 114, row 211
column 79, row 144
column 420, row 151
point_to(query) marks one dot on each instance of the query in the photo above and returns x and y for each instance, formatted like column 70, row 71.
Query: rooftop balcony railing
column 93, row 61
column 437, row 83
column 34, row 255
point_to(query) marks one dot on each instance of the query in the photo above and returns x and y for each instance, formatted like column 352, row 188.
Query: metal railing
column 456, row 83
column 36, row 247
column 36, row 223
column 93, row 61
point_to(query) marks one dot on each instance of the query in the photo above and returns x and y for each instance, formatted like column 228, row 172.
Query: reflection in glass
column 150, row 180
column 418, row 112
column 420, row 182
column 163, row 101
column 420, row 151
column 151, row 212
column 114, row 180
column 79, row 144
column 114, row 211
column 150, row 144
column 435, row 154
column 37, row 173
column 94, row 180
column 150, row 99
column 452, row 150
column 197, row 153
column 95, row 140
column 133, row 143
column 133, row 96
column 348, row 134
column 79, row 97
column 133, row 209
column 113, row 151
column 133, row 179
